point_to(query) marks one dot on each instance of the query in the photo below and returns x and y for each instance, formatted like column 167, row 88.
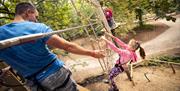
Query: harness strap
column 119, row 65
column 65, row 82
column 33, row 76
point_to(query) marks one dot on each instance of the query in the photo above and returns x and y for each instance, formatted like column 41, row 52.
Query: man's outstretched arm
column 61, row 43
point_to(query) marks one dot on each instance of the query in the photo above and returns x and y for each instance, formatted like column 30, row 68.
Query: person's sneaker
column 113, row 89
column 110, row 89
column 116, row 89
column 106, row 81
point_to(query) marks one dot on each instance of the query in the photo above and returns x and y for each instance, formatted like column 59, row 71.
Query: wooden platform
column 11, row 79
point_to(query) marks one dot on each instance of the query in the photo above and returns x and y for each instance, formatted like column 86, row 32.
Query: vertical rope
column 101, row 17
column 80, row 15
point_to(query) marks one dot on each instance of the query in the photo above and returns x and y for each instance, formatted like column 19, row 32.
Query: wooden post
column 131, row 70
column 145, row 74
column 172, row 68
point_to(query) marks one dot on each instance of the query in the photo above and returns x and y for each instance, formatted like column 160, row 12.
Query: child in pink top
column 127, row 55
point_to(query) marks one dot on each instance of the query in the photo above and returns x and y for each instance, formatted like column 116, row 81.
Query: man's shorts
column 58, row 81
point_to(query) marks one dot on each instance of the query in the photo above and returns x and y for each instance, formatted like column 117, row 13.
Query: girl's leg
column 127, row 71
column 113, row 73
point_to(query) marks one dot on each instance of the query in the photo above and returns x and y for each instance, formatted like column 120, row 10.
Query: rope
column 68, row 29
column 91, row 25
column 105, row 64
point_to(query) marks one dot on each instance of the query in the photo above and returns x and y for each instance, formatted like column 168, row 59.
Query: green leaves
column 56, row 14
column 125, row 11
column 60, row 14
column 164, row 7
column 6, row 11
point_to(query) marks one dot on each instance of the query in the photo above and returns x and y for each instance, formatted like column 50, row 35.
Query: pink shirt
column 126, row 54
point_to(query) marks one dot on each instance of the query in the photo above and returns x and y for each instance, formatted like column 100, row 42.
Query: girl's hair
column 136, row 45
column 142, row 52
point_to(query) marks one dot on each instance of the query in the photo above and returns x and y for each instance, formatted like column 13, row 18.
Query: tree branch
column 5, row 7
column 6, row 18
column 5, row 12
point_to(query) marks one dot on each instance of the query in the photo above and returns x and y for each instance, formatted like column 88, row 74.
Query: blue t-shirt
column 28, row 58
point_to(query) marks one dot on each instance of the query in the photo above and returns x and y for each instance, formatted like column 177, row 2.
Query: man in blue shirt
column 33, row 60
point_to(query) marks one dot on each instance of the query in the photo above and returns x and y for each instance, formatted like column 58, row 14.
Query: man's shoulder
column 36, row 24
column 40, row 25
column 23, row 23
column 3, row 26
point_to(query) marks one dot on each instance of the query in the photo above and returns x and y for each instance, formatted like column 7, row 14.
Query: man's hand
column 61, row 43
column 98, row 54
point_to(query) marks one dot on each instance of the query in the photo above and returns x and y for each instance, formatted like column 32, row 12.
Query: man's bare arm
column 61, row 43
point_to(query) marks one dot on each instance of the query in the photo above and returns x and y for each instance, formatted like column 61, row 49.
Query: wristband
column 1, row 71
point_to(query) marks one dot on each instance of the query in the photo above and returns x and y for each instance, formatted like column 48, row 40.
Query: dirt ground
column 161, row 79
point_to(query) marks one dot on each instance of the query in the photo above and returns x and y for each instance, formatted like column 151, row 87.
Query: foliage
column 6, row 11
column 83, row 12
column 163, row 7
column 125, row 11
column 169, row 59
column 153, row 62
column 57, row 14
column 60, row 14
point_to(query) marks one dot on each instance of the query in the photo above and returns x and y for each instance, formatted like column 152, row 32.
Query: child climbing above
column 109, row 17
column 127, row 55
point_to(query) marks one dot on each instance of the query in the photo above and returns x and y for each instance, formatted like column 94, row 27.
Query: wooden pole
column 172, row 68
column 26, row 38
column 131, row 70
column 145, row 74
